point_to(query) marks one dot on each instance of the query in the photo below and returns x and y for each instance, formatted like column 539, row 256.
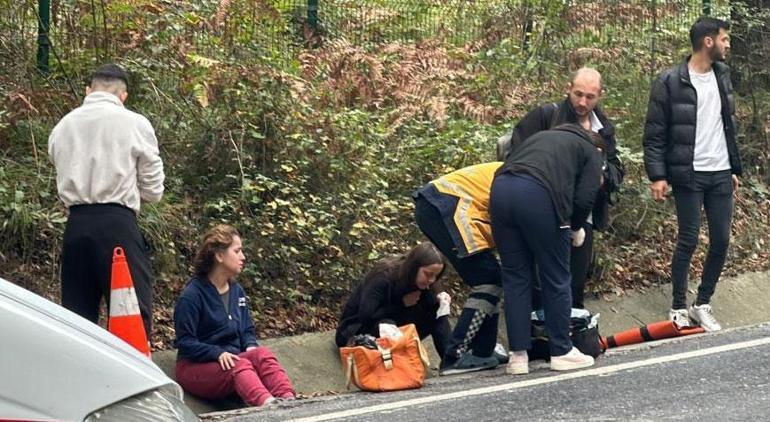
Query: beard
column 715, row 55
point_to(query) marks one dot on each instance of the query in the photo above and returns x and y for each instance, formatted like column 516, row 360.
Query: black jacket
column 567, row 163
column 551, row 115
column 377, row 299
column 669, row 130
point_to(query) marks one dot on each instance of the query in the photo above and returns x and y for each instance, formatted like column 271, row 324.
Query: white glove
column 444, row 300
column 578, row 237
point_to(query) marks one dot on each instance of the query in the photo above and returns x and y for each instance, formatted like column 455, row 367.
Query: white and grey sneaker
column 679, row 317
column 574, row 359
column 704, row 316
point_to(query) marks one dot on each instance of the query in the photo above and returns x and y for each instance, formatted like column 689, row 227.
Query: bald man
column 581, row 106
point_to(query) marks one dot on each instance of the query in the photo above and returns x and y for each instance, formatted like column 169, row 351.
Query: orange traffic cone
column 649, row 332
column 125, row 318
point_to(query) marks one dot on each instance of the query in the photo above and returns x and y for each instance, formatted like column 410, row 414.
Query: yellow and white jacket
column 462, row 199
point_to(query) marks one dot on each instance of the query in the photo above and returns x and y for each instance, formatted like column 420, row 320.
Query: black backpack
column 583, row 338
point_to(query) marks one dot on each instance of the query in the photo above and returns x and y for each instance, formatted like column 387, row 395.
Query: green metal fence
column 267, row 26
column 463, row 21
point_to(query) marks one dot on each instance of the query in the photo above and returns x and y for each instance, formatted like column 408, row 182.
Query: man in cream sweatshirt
column 107, row 162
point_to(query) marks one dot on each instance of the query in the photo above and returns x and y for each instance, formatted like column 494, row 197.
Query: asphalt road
column 711, row 377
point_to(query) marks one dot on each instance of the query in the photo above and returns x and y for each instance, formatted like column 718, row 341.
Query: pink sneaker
column 518, row 363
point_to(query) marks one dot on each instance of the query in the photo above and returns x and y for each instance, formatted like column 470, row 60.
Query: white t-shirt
column 710, row 142
column 596, row 126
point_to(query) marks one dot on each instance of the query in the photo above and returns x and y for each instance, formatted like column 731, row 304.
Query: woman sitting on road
column 399, row 290
column 218, row 351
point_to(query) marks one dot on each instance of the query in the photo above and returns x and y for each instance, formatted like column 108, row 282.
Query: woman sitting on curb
column 218, row 351
column 399, row 290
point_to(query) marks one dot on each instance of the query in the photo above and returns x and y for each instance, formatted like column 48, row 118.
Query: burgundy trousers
column 256, row 377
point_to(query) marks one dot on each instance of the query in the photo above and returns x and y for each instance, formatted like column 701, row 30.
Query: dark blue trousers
column 526, row 230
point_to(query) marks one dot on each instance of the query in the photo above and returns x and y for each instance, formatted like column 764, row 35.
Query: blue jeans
column 714, row 192
column 526, row 230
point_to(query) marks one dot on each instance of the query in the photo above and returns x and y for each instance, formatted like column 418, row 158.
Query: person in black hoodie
column 581, row 106
column 218, row 353
column 399, row 290
column 540, row 198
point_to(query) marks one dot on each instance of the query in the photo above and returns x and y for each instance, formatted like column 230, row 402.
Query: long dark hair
column 402, row 269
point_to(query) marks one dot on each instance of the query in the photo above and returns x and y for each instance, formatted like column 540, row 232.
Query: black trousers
column 92, row 232
column 580, row 260
column 712, row 191
column 476, row 328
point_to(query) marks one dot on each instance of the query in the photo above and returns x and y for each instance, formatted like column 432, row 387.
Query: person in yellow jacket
column 452, row 211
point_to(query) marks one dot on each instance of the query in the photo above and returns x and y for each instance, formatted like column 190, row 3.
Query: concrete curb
column 312, row 360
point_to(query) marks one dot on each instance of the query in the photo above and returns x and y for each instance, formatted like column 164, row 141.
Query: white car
column 55, row 365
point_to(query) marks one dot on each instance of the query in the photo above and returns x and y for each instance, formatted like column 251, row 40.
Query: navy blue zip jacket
column 203, row 327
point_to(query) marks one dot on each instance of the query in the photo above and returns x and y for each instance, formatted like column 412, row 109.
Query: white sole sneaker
column 518, row 368
column 572, row 360
column 704, row 316
column 680, row 318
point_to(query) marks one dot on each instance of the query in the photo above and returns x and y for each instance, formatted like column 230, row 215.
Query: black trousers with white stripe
column 92, row 232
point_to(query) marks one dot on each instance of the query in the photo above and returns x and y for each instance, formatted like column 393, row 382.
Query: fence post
column 43, row 25
column 707, row 7
column 653, row 35
column 312, row 14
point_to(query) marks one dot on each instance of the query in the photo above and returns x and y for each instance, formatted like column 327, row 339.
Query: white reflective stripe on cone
column 123, row 302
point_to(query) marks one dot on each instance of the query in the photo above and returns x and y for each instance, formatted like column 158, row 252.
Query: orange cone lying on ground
column 649, row 332
column 125, row 318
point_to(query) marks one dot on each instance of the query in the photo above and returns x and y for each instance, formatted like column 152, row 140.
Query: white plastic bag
column 390, row 330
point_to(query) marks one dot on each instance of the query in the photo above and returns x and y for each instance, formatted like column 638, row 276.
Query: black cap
column 110, row 72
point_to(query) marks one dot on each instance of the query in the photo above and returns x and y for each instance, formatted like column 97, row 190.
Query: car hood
column 56, row 365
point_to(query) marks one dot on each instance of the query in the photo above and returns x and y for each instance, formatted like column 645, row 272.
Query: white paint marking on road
column 538, row 381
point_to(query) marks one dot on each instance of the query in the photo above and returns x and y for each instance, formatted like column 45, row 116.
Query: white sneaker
column 572, row 360
column 704, row 316
column 518, row 363
column 680, row 317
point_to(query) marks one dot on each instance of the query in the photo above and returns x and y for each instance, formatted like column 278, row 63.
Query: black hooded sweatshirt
column 566, row 162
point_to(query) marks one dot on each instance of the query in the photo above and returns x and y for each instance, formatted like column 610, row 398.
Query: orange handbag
column 395, row 365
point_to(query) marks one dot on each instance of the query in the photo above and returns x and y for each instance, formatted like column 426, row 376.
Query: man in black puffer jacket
column 690, row 144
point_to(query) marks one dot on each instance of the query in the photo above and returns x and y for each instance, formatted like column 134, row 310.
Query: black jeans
column 714, row 192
